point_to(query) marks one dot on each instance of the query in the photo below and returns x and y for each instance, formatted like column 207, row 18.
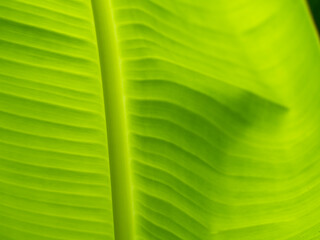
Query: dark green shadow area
column 315, row 9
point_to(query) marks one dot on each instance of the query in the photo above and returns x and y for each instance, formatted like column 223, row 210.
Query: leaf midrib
column 115, row 119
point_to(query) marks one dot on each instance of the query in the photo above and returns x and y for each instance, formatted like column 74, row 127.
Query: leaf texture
column 54, row 176
column 222, row 102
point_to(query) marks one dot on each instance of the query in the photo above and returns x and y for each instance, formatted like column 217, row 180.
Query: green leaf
column 54, row 175
column 222, row 101
column 211, row 108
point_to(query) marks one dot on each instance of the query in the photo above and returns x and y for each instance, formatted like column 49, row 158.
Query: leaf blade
column 54, row 158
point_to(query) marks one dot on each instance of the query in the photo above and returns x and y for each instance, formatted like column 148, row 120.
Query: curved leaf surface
column 54, row 177
column 222, row 101
column 222, row 109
